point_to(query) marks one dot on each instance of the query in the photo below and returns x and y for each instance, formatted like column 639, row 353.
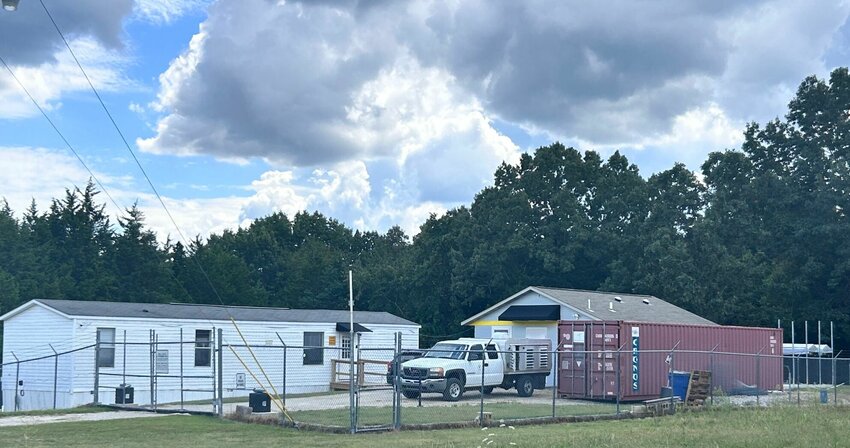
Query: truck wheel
column 410, row 393
column 454, row 390
column 488, row 390
column 524, row 386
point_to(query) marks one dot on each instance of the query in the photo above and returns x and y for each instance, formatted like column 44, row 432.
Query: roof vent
column 618, row 298
column 588, row 305
column 646, row 301
column 611, row 307
column 145, row 311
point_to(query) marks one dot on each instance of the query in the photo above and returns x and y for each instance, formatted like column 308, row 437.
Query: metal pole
column 213, row 345
column 820, row 358
column 151, row 365
column 124, row 362
column 555, row 358
column 220, row 373
column 673, row 369
column 758, row 376
column 794, row 365
column 283, row 397
column 55, row 372
column 396, row 385
column 352, row 424
column 711, row 377
column 619, row 375
column 807, row 351
column 17, row 378
column 181, row 368
column 96, row 390
column 483, row 362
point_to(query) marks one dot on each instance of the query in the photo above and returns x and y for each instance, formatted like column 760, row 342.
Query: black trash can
column 259, row 401
column 124, row 394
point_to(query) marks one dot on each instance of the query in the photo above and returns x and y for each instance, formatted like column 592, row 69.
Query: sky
column 381, row 113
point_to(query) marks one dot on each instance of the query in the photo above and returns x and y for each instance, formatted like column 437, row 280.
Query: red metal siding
column 734, row 364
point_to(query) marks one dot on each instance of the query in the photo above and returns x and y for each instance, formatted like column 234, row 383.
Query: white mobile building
column 176, row 342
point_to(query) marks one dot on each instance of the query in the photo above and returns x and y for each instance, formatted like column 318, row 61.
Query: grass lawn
column 785, row 426
column 441, row 414
column 77, row 410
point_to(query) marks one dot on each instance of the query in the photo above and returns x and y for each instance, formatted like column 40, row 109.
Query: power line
column 150, row 183
column 62, row 136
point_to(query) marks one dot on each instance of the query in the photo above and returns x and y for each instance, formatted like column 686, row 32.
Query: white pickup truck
column 451, row 367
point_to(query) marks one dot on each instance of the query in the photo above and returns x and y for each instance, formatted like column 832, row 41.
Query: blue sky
column 381, row 113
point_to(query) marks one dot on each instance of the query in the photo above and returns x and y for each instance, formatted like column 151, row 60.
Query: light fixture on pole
column 10, row 5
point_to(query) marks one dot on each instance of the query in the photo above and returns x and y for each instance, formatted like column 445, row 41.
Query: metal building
column 742, row 360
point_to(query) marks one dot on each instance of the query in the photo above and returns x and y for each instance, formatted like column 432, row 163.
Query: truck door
column 572, row 378
column 475, row 363
column 494, row 366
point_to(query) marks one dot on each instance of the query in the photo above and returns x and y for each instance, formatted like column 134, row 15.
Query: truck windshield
column 447, row 351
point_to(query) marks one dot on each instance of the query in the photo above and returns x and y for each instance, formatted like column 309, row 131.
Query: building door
column 572, row 377
column 603, row 360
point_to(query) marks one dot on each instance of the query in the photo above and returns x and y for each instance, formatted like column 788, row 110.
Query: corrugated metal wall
column 643, row 354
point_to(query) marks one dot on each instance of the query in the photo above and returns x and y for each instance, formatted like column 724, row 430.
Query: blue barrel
column 679, row 382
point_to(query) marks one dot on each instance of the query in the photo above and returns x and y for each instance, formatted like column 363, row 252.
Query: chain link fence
column 362, row 388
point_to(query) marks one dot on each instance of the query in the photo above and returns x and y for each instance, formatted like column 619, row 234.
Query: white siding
column 29, row 335
column 266, row 347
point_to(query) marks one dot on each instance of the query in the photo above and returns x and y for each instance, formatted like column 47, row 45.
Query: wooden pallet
column 698, row 388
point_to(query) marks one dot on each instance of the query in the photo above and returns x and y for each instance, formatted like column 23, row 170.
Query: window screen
column 313, row 355
column 202, row 348
column 106, row 351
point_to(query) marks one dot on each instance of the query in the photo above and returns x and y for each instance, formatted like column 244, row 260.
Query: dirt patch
column 26, row 420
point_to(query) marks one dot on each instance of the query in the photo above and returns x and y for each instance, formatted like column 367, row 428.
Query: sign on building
column 162, row 361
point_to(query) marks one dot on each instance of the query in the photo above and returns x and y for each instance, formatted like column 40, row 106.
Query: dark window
column 202, row 348
column 476, row 353
column 313, row 355
column 492, row 353
column 106, row 349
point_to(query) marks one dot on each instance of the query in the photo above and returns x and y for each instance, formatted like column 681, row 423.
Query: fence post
column 711, row 377
column 283, row 392
column 17, row 378
column 758, row 378
column 55, row 372
column 396, row 385
column 96, row 391
column 181, row 367
column 219, row 371
column 124, row 363
column 483, row 361
column 150, row 368
column 554, row 357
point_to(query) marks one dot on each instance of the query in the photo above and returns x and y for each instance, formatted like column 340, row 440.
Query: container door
column 603, row 365
column 572, row 378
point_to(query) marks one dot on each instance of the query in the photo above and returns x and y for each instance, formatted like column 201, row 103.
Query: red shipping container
column 744, row 359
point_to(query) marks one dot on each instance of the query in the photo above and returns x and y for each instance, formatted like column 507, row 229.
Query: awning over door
column 532, row 312
column 343, row 327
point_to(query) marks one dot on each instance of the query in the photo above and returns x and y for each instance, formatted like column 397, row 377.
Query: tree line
column 760, row 233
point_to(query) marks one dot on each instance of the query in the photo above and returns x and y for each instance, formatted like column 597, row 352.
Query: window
column 106, row 349
column 312, row 355
column 492, row 352
column 202, row 348
column 536, row 333
column 476, row 353
column 345, row 344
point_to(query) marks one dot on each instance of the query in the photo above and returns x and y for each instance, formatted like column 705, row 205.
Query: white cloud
column 166, row 11
column 40, row 174
column 50, row 81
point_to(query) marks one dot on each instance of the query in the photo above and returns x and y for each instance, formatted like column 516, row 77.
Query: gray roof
column 216, row 312
column 630, row 308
